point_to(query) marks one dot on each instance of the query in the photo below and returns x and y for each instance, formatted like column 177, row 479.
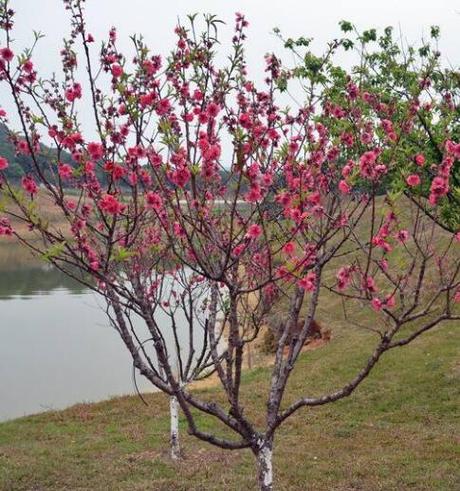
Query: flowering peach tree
column 197, row 189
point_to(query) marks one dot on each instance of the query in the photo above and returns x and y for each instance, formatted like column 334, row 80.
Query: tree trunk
column 174, row 412
column 264, row 466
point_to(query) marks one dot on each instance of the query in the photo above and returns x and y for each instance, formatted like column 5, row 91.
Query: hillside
column 19, row 164
column 22, row 164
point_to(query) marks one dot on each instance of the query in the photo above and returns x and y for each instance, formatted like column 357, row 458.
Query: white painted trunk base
column 174, row 412
column 265, row 468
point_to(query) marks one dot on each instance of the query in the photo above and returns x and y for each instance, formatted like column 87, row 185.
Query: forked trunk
column 174, row 412
column 264, row 466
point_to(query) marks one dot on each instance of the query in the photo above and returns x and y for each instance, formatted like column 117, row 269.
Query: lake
column 56, row 347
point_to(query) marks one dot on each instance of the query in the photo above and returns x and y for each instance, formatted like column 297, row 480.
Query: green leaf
column 434, row 32
column 122, row 254
column 54, row 251
column 345, row 26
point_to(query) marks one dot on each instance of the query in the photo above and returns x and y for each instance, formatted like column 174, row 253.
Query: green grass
column 398, row 431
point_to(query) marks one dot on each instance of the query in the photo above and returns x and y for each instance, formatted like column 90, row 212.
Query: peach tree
column 197, row 188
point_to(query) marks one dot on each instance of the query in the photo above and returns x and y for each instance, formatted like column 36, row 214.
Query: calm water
column 56, row 346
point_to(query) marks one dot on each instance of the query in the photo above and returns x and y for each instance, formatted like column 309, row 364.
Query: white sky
column 156, row 19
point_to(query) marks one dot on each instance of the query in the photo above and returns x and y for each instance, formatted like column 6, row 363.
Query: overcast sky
column 156, row 19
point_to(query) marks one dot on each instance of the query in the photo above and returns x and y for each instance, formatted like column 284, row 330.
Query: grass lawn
column 398, row 431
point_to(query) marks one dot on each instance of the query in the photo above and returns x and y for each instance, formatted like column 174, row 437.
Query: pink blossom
column 439, row 188
column 344, row 187
column 343, row 277
column 197, row 95
column 6, row 54
column 346, row 171
column 147, row 99
column 390, row 301
column 314, row 198
column 420, row 159
column 5, row 227
column 3, row 163
column 155, row 159
column 377, row 304
column 254, row 194
column 117, row 70
column 71, row 204
column 149, row 67
column 163, row 107
column 95, row 150
column 453, row 148
column 267, row 179
column 367, row 164
column 65, row 171
column 254, row 231
column 238, row 250
column 73, row 92
column 413, row 180
column 28, row 66
column 118, row 172
column 110, row 204
column 457, row 296
column 212, row 152
column 402, row 236
column 289, row 248
column 23, row 147
column 352, row 90
column 154, row 201
column 132, row 178
column 366, row 138
column 178, row 229
column 369, row 284
column 308, row 282
column 203, row 117
column 181, row 176
column 89, row 167
column 212, row 110
column 188, row 117
column 29, row 185
column 245, row 120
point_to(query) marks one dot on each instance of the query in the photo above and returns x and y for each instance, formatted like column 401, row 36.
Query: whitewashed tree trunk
column 174, row 412
column 265, row 466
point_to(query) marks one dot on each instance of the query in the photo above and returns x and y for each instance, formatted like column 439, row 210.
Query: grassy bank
column 398, row 431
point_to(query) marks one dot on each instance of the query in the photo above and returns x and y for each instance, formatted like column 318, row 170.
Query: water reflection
column 29, row 281
column 56, row 347
column 23, row 275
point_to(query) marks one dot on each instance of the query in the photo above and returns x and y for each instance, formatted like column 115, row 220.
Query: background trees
column 410, row 85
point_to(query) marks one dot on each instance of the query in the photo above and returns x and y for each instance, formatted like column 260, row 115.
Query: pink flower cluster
column 440, row 184
column 308, row 282
column 388, row 302
column 5, row 227
column 109, row 203
column 344, row 275
column 29, row 185
column 369, row 167
column 74, row 92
